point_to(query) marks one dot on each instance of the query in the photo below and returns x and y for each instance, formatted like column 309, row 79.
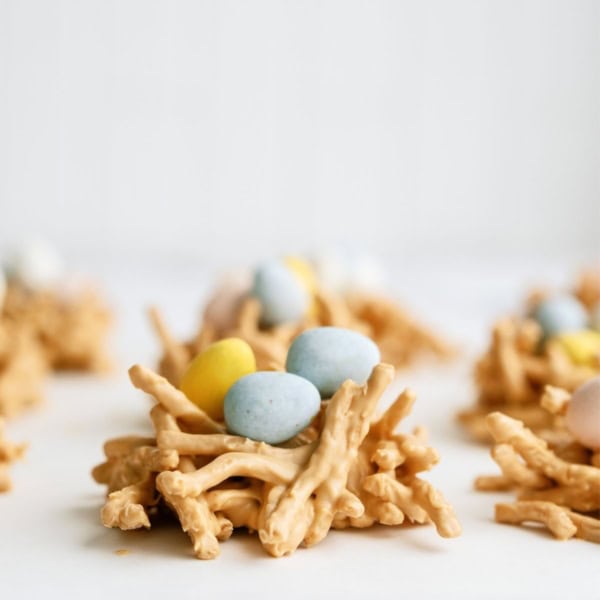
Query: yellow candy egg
column 305, row 274
column 582, row 347
column 303, row 271
column 209, row 376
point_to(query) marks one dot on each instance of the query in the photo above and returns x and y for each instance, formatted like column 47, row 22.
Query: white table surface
column 52, row 543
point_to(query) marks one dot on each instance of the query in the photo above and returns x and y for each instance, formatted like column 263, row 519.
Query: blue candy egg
column 270, row 406
column 560, row 314
column 282, row 297
column 327, row 356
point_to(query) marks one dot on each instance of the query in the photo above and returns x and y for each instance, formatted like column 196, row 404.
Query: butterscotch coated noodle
column 9, row 453
column 557, row 482
column 23, row 367
column 400, row 337
column 348, row 469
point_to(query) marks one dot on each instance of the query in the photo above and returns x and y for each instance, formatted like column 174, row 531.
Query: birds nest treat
column 71, row 330
column 283, row 298
column 557, row 479
column 9, row 453
column 557, row 344
column 23, row 368
column 282, row 462
column 69, row 319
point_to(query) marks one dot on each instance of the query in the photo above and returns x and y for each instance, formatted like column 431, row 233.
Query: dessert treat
column 69, row 319
column 23, row 368
column 557, row 480
column 45, row 323
column 71, row 331
column 555, row 344
column 9, row 452
column 347, row 468
column 281, row 300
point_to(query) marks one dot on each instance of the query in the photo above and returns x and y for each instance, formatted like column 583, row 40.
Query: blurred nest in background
column 71, row 329
column 519, row 363
column 401, row 339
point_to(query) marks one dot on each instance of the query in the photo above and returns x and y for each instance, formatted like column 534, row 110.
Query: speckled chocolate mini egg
column 282, row 296
column 212, row 373
column 560, row 314
column 583, row 414
column 270, row 406
column 327, row 356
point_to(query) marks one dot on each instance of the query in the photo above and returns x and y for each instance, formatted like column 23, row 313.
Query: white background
column 153, row 142
column 228, row 129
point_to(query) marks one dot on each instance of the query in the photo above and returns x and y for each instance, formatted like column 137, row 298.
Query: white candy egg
column 331, row 269
column 347, row 270
column 36, row 264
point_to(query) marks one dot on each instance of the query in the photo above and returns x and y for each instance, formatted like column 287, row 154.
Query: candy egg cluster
column 565, row 321
column 286, row 288
column 274, row 406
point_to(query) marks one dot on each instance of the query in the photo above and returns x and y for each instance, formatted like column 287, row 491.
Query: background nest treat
column 9, row 452
column 518, row 364
column 347, row 469
column 71, row 330
column 511, row 376
column 23, row 367
column 400, row 338
column 557, row 480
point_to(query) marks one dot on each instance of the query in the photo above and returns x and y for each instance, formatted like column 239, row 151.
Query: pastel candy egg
column 583, row 413
column 332, row 269
column 209, row 376
column 327, row 356
column 35, row 264
column 307, row 278
column 303, row 272
column 348, row 270
column 560, row 314
column 271, row 406
column 582, row 347
column 367, row 274
column 222, row 307
column 282, row 297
